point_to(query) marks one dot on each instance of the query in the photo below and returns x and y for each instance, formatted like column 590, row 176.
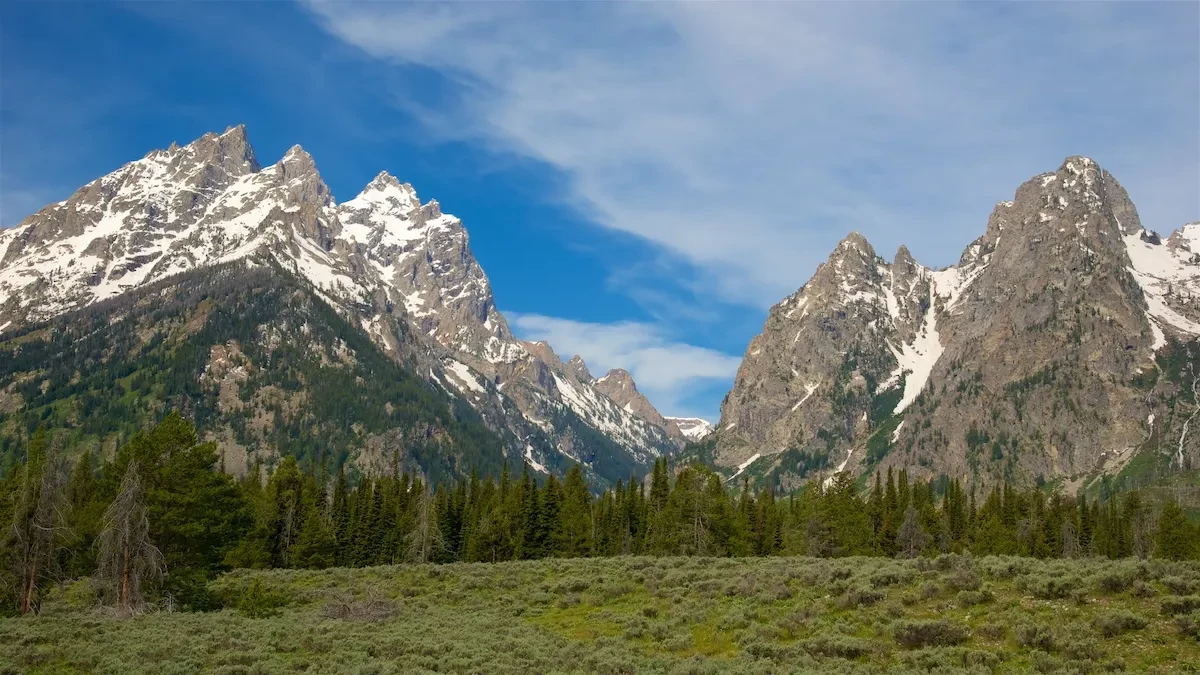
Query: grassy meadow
column 646, row 615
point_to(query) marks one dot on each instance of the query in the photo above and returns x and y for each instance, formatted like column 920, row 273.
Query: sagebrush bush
column 1180, row 604
column 914, row 634
column 1189, row 624
column 835, row 645
column 1050, row 587
column 993, row 631
column 938, row 659
column 963, row 579
column 1116, row 579
column 1179, row 585
column 972, row 598
column 1036, row 635
column 1115, row 623
column 858, row 597
column 371, row 608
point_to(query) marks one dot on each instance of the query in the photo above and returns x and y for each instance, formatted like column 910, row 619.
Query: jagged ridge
column 1022, row 359
column 380, row 255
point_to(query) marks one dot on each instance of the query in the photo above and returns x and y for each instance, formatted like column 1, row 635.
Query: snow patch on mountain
column 916, row 360
column 1166, row 271
column 693, row 428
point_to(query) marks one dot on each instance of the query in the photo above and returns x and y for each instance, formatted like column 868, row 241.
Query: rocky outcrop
column 618, row 385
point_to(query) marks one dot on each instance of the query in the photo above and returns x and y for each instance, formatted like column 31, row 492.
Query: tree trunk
column 123, row 598
column 30, row 589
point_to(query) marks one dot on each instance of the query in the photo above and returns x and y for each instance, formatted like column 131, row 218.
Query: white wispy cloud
column 666, row 370
column 746, row 139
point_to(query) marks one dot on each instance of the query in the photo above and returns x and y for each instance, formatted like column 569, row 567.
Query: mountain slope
column 1035, row 355
column 256, row 358
column 381, row 259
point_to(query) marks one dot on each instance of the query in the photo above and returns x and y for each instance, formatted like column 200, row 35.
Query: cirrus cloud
column 746, row 139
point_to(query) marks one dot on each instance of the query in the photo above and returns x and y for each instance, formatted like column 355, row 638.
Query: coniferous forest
column 676, row 572
column 191, row 521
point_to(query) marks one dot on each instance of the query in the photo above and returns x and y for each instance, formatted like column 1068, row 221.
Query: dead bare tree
column 425, row 539
column 911, row 537
column 696, row 532
column 1070, row 540
column 38, row 529
column 128, row 557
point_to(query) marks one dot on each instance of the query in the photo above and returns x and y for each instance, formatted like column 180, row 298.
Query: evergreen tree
column 1176, row 537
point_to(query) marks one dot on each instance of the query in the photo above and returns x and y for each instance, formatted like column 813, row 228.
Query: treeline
column 161, row 519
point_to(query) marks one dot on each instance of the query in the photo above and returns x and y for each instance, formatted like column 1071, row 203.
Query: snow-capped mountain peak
column 210, row 202
column 693, row 428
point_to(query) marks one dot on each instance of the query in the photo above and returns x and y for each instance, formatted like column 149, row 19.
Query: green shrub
column 993, row 631
column 1179, row 585
column 572, row 586
column 971, row 598
column 836, row 646
column 858, row 597
column 914, row 634
column 1077, row 642
column 1036, row 635
column 1180, row 604
column 260, row 602
column 1050, row 587
column 1118, row 622
column 963, row 579
column 1115, row 580
column 1189, row 624
column 938, row 659
column 892, row 577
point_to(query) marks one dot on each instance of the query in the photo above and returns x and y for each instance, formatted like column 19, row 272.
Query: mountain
column 1041, row 354
column 618, row 385
column 391, row 266
column 692, row 428
column 256, row 357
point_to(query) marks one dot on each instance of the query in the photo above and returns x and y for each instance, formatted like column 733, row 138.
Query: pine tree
column 1176, row 537
column 339, row 515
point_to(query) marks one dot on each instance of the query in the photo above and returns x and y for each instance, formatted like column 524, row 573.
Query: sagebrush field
column 653, row 615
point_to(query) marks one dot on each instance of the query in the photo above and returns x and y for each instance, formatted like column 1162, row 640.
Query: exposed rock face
column 399, row 268
column 618, row 385
column 579, row 369
column 1029, row 357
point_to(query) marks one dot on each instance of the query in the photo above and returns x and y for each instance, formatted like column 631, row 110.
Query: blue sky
column 640, row 181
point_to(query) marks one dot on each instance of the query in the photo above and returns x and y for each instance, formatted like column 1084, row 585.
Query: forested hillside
column 260, row 363
column 162, row 513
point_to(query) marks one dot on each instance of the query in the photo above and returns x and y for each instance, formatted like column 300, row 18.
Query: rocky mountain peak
column 618, row 385
column 854, row 245
column 618, row 378
column 1046, row 318
column 297, row 163
column 231, row 151
column 384, row 181
column 579, row 369
column 402, row 270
